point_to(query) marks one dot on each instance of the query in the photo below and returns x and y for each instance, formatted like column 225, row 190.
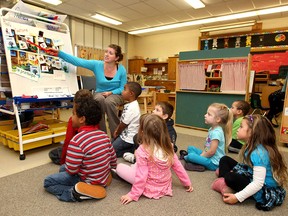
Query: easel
column 18, row 88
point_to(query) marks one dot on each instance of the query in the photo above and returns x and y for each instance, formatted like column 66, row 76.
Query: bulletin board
column 31, row 70
column 269, row 39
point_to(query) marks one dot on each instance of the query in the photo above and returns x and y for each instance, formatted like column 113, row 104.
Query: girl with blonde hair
column 151, row 174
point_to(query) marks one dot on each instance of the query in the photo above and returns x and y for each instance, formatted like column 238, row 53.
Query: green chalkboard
column 192, row 106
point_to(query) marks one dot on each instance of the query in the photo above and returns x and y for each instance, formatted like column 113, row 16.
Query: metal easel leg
column 16, row 113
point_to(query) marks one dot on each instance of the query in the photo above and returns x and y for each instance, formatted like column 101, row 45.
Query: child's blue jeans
column 61, row 185
column 194, row 156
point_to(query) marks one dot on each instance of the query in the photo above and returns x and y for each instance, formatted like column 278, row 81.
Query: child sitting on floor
column 129, row 121
column 90, row 157
column 220, row 118
column 239, row 109
column 165, row 111
column 58, row 155
column 262, row 172
column 151, row 174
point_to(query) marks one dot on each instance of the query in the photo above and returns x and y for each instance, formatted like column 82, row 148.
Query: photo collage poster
column 27, row 51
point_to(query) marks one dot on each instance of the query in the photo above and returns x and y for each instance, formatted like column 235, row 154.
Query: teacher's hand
column 52, row 52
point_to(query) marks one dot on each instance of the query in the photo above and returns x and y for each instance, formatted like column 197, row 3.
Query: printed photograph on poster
column 42, row 59
column 10, row 43
column 48, row 60
column 32, row 59
column 40, row 39
column 23, row 45
column 64, row 66
column 8, row 31
column 22, row 56
column 13, row 53
column 44, row 68
column 43, row 45
column 35, row 70
column 56, row 64
column 48, row 41
column 30, row 38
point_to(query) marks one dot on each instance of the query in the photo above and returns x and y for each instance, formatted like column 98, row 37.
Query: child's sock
column 220, row 186
column 217, row 172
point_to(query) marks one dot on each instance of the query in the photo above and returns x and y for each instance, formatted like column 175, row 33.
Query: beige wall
column 164, row 45
column 131, row 48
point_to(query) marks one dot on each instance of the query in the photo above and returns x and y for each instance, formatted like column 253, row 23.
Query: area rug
column 23, row 194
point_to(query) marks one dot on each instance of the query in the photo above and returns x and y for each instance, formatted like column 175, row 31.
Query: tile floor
column 10, row 163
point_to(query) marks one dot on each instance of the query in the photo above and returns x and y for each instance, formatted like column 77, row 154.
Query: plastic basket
column 13, row 139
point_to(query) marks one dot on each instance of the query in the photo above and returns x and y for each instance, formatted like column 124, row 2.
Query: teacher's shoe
column 83, row 191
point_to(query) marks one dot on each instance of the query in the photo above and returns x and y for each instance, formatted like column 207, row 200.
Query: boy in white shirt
column 129, row 121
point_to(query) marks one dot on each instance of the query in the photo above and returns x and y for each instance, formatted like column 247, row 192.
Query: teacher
column 110, row 80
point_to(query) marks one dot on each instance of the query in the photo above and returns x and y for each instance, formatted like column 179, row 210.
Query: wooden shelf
column 214, row 78
column 155, row 63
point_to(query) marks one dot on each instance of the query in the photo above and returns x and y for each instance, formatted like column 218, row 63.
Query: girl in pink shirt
column 151, row 174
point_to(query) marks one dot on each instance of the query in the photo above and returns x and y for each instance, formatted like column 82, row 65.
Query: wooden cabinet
column 134, row 66
column 156, row 68
column 172, row 67
column 261, row 79
column 158, row 73
column 168, row 68
column 170, row 97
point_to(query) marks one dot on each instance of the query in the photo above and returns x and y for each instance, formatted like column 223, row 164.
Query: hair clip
column 251, row 118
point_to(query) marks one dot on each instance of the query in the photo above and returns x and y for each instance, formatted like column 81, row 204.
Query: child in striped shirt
column 90, row 157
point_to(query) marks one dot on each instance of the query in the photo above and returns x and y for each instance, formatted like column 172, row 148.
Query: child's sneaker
column 182, row 153
column 129, row 157
column 194, row 167
column 84, row 191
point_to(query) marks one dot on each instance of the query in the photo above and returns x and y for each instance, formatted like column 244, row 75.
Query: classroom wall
column 164, row 45
column 131, row 47
column 84, row 33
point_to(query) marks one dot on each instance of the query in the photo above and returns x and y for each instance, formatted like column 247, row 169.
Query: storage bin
column 53, row 123
column 57, row 126
column 58, row 130
column 13, row 139
column 3, row 128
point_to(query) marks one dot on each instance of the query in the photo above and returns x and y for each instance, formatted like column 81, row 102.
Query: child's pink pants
column 126, row 172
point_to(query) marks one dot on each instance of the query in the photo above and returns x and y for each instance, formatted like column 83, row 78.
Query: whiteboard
column 31, row 70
